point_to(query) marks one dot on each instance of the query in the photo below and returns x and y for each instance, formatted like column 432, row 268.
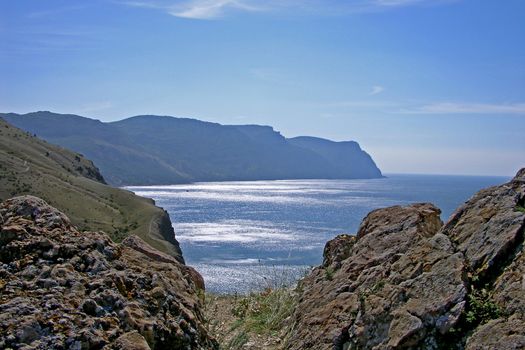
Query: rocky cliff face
column 408, row 282
column 61, row 288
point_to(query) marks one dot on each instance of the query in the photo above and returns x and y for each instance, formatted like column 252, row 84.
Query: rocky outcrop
column 162, row 224
column 407, row 282
column 65, row 289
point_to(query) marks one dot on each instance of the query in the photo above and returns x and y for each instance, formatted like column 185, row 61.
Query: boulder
column 62, row 288
column 406, row 281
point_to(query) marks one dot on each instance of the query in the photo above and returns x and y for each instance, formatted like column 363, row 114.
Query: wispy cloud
column 467, row 108
column 55, row 11
column 437, row 108
column 377, row 89
column 212, row 9
column 200, row 9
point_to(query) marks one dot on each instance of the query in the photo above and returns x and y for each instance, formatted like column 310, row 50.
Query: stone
column 66, row 289
column 132, row 341
column 406, row 281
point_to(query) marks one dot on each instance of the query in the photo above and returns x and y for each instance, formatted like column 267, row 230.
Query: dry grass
column 32, row 166
column 258, row 320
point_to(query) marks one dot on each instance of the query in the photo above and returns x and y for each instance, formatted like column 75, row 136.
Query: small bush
column 329, row 273
column 482, row 307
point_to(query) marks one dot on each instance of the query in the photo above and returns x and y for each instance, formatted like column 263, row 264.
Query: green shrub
column 481, row 307
column 329, row 273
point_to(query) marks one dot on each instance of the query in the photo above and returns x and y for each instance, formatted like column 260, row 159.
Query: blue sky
column 425, row 86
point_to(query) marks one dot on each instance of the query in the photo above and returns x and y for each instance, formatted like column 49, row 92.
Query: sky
column 425, row 86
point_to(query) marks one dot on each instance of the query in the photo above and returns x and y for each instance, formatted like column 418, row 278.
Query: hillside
column 70, row 182
column 164, row 150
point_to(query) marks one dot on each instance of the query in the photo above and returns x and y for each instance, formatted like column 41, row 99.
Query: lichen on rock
column 65, row 289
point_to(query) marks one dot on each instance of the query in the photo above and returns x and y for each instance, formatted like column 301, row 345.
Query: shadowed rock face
column 406, row 282
column 61, row 288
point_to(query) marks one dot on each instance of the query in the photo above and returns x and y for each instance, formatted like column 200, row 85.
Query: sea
column 250, row 235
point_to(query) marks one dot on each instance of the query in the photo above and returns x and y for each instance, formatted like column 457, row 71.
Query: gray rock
column 78, row 290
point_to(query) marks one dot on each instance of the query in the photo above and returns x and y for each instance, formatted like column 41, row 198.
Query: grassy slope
column 69, row 182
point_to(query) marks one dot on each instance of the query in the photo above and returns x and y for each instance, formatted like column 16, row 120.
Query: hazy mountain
column 347, row 156
column 74, row 185
column 164, row 150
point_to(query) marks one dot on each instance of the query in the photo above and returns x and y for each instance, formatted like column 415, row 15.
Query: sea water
column 244, row 236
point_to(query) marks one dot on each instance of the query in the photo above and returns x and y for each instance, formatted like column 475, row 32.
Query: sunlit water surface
column 242, row 236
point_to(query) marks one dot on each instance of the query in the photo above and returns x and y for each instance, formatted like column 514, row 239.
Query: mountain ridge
column 148, row 150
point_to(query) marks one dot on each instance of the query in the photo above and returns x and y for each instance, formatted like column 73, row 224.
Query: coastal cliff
column 406, row 281
column 65, row 288
column 156, row 150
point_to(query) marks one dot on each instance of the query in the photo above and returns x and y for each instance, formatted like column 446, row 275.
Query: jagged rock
column 337, row 250
column 407, row 282
column 138, row 244
column 501, row 334
column 61, row 288
column 488, row 228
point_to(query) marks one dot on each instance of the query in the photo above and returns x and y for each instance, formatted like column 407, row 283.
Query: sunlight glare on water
column 243, row 236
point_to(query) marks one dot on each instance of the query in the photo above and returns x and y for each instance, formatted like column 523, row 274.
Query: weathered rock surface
column 65, row 289
column 407, row 282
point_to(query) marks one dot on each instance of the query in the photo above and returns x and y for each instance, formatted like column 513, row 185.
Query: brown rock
column 132, row 341
column 489, row 227
column 499, row 334
column 337, row 250
column 406, row 283
column 400, row 280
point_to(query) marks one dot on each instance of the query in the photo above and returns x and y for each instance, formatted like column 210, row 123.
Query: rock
column 407, row 282
column 61, row 288
column 138, row 244
column 337, row 250
column 131, row 341
column 489, row 227
column 89, row 306
column 502, row 334
column 10, row 233
column 28, row 331
column 134, row 242
column 36, row 209
column 398, row 279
